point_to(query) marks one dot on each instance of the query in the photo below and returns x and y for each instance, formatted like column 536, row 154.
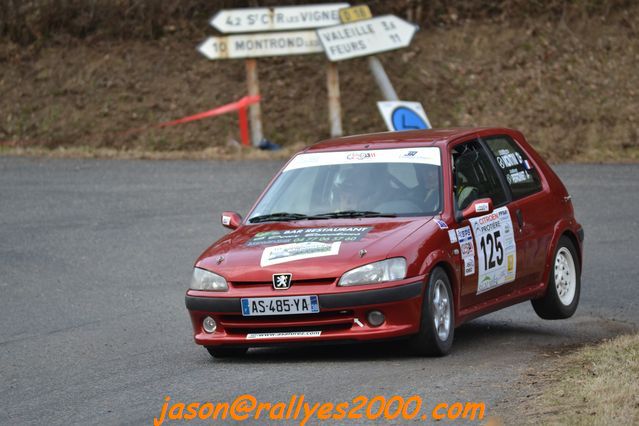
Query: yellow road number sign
column 355, row 13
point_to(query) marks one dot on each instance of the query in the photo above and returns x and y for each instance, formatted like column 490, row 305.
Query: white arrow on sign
column 367, row 37
column 277, row 18
column 260, row 45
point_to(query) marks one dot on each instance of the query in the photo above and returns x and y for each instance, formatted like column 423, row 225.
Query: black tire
column 551, row 305
column 222, row 352
column 428, row 341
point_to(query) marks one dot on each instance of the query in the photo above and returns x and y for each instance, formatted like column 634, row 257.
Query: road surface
column 95, row 256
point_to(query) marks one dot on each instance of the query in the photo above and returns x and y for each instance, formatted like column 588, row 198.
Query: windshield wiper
column 282, row 216
column 354, row 213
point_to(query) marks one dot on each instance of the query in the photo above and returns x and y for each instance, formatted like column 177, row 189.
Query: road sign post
column 334, row 105
column 255, row 110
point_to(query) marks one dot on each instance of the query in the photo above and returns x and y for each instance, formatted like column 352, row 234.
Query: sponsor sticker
column 527, row 165
column 496, row 249
column 423, row 155
column 452, row 235
column 226, row 220
column 360, row 155
column 297, row 251
column 251, row 336
column 507, row 159
column 441, row 224
column 469, row 266
column 467, row 247
column 304, row 235
column 481, row 207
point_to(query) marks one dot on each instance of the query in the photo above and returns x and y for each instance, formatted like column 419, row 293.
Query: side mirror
column 478, row 208
column 231, row 220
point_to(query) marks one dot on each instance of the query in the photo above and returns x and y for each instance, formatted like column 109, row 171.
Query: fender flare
column 446, row 260
column 562, row 227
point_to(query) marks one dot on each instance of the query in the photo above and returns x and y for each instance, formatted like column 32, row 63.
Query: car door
column 529, row 204
column 488, row 244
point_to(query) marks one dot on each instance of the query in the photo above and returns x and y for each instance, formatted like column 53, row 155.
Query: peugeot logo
column 282, row 281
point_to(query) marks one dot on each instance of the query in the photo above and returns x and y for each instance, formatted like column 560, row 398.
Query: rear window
column 520, row 174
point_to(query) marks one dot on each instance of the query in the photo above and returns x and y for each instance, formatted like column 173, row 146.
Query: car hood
column 309, row 250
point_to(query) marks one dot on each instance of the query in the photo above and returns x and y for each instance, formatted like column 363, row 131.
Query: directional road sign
column 277, row 18
column 260, row 45
column 367, row 37
column 401, row 115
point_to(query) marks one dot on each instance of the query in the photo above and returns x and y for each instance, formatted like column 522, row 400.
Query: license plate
column 289, row 305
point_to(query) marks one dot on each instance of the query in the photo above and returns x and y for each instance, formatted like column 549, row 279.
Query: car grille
column 322, row 281
column 323, row 321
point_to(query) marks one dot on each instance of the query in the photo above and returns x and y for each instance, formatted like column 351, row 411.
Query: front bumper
column 342, row 317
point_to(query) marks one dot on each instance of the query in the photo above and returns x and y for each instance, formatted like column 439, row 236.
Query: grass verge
column 240, row 153
column 596, row 385
column 214, row 153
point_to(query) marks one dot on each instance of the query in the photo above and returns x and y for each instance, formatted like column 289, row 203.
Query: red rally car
column 390, row 235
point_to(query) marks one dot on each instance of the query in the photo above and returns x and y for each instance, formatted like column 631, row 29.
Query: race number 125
column 491, row 246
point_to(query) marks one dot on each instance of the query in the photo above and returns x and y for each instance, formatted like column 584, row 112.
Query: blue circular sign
column 404, row 118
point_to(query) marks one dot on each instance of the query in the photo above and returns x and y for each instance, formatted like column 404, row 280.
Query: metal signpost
column 250, row 46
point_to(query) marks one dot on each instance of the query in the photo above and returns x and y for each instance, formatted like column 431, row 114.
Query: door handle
column 520, row 219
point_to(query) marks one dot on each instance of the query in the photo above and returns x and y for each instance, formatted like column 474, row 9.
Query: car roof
column 411, row 138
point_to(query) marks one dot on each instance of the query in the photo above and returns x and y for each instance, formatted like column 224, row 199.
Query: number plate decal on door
column 496, row 249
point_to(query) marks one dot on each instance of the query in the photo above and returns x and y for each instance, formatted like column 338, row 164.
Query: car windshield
column 372, row 183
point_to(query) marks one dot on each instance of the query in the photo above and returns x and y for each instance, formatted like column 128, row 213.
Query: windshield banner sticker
column 297, row 251
column 465, row 238
column 422, row 155
column 496, row 249
column 320, row 235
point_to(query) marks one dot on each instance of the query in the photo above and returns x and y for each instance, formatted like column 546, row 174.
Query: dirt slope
column 570, row 86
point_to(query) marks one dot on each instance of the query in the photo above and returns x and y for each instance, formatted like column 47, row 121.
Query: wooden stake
column 334, row 107
column 255, row 111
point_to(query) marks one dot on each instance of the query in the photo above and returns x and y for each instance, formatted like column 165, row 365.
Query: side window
column 522, row 178
column 474, row 176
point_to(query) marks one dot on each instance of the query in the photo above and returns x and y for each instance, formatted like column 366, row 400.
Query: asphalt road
column 95, row 257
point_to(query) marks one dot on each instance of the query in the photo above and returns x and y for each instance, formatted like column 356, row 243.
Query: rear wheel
column 221, row 352
column 437, row 328
column 564, row 285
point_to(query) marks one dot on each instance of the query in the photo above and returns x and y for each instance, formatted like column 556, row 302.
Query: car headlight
column 205, row 280
column 377, row 272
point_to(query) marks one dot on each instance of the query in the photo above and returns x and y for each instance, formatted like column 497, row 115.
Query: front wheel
column 564, row 285
column 437, row 327
column 222, row 352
